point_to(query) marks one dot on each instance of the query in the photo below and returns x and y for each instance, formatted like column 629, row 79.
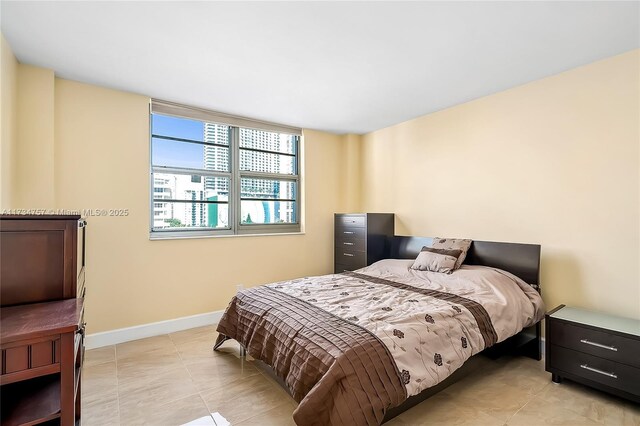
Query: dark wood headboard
column 522, row 260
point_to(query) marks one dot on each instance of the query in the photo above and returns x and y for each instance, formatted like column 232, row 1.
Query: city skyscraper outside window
column 200, row 199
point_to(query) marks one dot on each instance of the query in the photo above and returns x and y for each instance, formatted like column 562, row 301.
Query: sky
column 186, row 154
column 178, row 154
column 191, row 155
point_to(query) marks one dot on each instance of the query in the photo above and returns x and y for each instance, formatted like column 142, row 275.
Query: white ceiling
column 335, row 66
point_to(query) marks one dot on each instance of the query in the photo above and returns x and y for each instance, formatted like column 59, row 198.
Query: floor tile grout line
column 85, row 365
column 518, row 410
column 242, row 360
column 115, row 355
column 530, row 398
column 207, row 407
column 571, row 408
column 199, row 392
column 204, row 401
column 171, row 400
column 186, row 367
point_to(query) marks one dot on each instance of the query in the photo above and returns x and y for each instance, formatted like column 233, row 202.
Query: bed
column 362, row 346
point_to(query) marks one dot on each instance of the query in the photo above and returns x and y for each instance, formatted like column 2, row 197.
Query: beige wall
column 9, row 123
column 80, row 146
column 554, row 162
column 351, row 173
column 34, row 184
column 102, row 161
column 27, row 146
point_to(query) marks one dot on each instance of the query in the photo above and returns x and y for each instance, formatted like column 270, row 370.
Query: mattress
column 350, row 346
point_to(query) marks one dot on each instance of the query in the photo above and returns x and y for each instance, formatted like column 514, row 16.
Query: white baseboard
column 121, row 335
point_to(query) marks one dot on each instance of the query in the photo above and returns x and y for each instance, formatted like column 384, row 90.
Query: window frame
column 235, row 175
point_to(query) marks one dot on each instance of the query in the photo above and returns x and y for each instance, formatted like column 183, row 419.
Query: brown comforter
column 350, row 346
column 339, row 372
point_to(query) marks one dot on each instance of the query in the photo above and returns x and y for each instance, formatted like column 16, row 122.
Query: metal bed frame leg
column 222, row 338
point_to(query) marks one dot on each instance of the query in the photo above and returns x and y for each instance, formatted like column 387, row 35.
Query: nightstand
column 595, row 349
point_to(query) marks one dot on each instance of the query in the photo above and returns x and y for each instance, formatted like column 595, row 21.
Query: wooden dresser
column 42, row 284
column 361, row 239
column 598, row 350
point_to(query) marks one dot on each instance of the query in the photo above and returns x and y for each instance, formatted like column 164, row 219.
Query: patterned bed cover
column 350, row 346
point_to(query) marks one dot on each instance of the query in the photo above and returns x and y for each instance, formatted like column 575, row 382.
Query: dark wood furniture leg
column 533, row 348
column 555, row 378
column 67, row 380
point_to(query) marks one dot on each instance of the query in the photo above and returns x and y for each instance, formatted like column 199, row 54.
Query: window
column 214, row 174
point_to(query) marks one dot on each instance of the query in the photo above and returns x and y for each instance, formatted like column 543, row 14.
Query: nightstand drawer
column 351, row 220
column 609, row 373
column 599, row 343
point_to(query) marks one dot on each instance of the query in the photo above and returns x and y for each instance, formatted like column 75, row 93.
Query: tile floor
column 177, row 378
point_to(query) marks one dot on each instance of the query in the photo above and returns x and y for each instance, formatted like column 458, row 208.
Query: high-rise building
column 256, row 155
column 182, row 187
column 216, row 157
column 254, row 159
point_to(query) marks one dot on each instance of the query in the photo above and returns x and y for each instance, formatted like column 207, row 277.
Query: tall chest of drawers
column 361, row 239
column 598, row 350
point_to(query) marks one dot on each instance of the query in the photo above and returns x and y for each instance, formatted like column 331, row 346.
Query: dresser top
column 40, row 217
column 39, row 319
column 597, row 319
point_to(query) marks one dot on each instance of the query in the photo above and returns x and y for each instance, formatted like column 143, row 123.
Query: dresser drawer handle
column 349, row 254
column 348, row 232
column 599, row 345
column 348, row 244
column 595, row 370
